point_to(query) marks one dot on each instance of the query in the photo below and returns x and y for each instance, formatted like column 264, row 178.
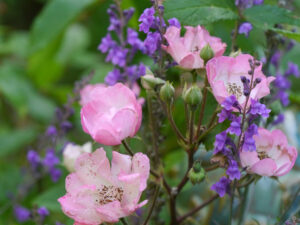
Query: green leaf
column 54, row 19
column 14, row 141
column 288, row 34
column 49, row 197
column 191, row 12
column 266, row 16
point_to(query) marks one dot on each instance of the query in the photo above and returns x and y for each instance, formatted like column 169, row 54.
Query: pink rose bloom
column 224, row 76
column 111, row 114
column 186, row 50
column 273, row 155
column 98, row 192
column 85, row 93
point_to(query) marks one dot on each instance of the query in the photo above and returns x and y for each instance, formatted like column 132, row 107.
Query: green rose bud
column 150, row 82
column 193, row 96
column 207, row 53
column 196, row 177
column 167, row 92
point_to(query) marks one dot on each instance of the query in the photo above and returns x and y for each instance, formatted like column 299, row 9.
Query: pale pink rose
column 186, row 50
column 224, row 76
column 273, row 155
column 111, row 114
column 85, row 93
column 98, row 192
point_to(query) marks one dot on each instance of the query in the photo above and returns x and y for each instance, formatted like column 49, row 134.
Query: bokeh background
column 48, row 45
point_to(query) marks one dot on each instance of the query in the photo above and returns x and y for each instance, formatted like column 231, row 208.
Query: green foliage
column 191, row 12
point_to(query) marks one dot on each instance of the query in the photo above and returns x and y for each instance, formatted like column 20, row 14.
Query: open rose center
column 108, row 194
column 234, row 89
column 262, row 155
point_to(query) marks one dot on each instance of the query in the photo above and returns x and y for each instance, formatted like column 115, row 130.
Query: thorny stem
column 156, row 193
column 202, row 107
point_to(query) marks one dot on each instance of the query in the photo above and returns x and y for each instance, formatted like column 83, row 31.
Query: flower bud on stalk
column 167, row 92
column 150, row 82
column 197, row 173
column 193, row 96
column 207, row 53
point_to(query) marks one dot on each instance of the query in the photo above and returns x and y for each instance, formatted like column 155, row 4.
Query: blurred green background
column 47, row 45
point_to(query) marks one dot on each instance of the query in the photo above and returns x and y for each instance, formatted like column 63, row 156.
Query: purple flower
column 33, row 158
column 258, row 2
column 174, row 22
column 22, row 214
column 258, row 108
column 243, row 3
column 114, row 24
column 223, row 115
column 233, row 170
column 220, row 141
column 291, row 45
column 113, row 77
column 282, row 82
column 43, row 212
column 51, row 131
column 136, row 71
column 292, row 69
column 50, row 159
column 128, row 13
column 66, row 126
column 117, row 56
column 152, row 42
column 106, row 44
column 147, row 18
column 275, row 58
column 55, row 174
column 279, row 119
column 245, row 28
column 283, row 97
column 249, row 142
column 235, row 126
column 222, row 187
column 229, row 102
column 133, row 39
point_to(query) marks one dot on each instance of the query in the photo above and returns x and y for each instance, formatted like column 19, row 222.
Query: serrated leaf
column 191, row 12
column 53, row 20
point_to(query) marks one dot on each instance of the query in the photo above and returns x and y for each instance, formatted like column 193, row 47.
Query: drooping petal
column 264, row 167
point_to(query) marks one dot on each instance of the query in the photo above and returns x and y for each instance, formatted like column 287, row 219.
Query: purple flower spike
column 147, row 18
column 33, row 158
column 51, row 131
column 233, row 170
column 245, row 28
column 276, row 58
column 113, row 77
column 260, row 109
column 43, row 212
column 174, row 22
column 293, row 69
column 152, row 42
column 106, row 44
column 235, row 127
column 258, row 2
column 223, row 115
column 50, row 159
column 55, row 174
column 279, row 119
column 282, row 82
column 222, row 187
column 229, row 102
column 22, row 214
column 220, row 141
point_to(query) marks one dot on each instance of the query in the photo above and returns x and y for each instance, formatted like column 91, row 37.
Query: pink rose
column 186, row 50
column 273, row 157
column 85, row 93
column 224, row 76
column 111, row 114
column 98, row 192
